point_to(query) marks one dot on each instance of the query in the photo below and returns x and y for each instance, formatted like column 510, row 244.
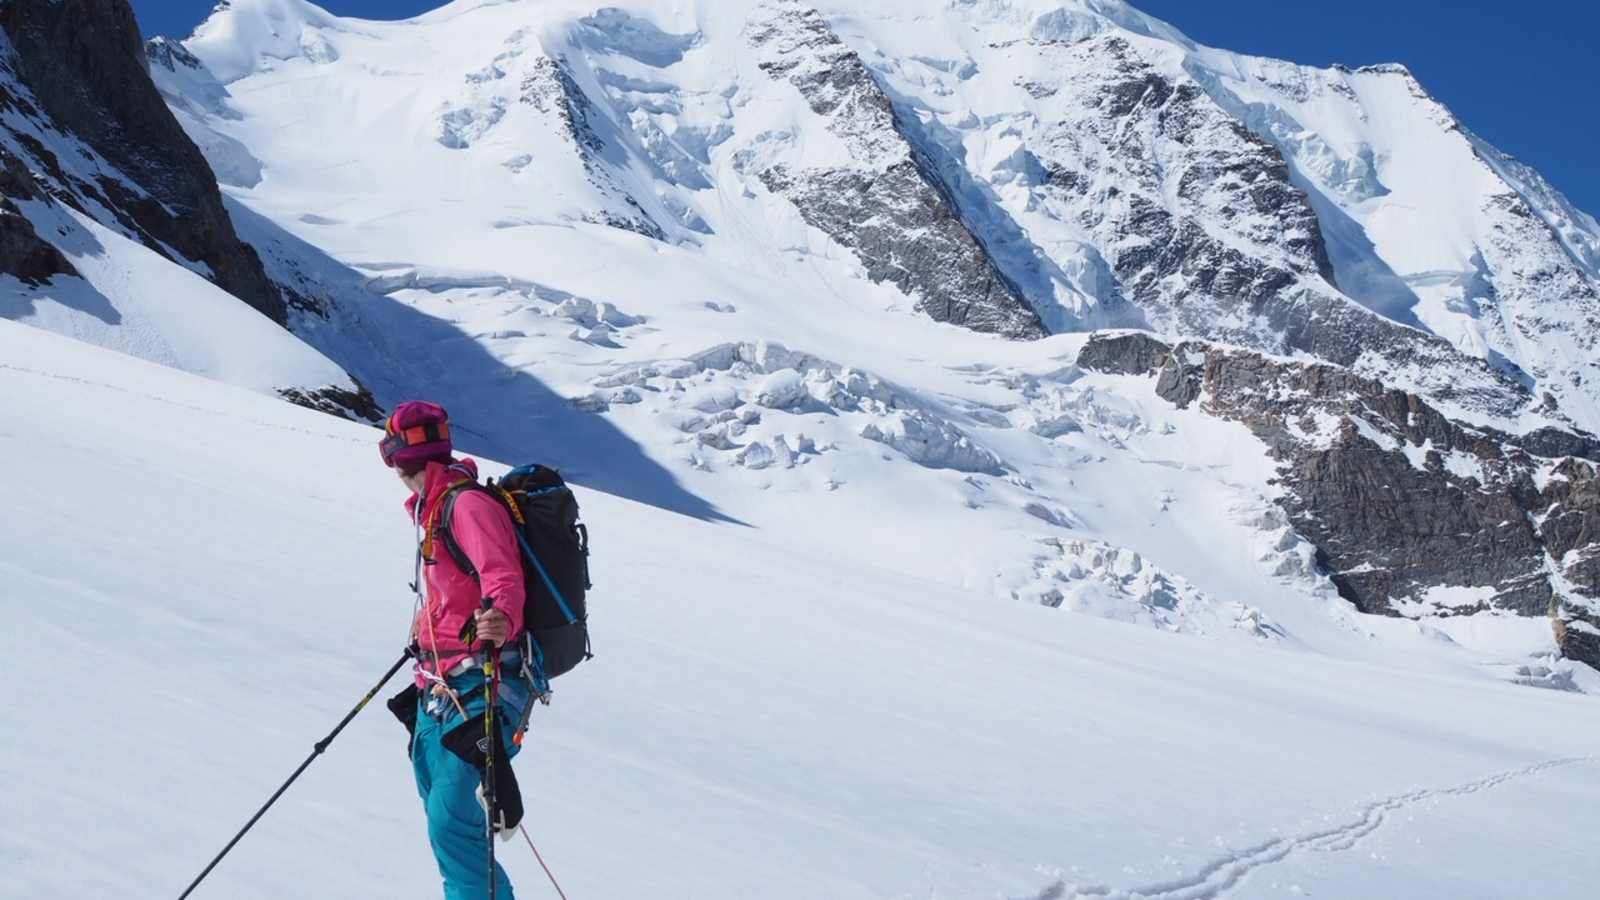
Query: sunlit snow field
column 202, row 580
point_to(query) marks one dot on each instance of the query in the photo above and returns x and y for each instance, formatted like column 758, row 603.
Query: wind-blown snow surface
column 761, row 719
column 132, row 300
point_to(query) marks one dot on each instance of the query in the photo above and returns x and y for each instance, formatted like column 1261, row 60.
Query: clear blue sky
column 1525, row 75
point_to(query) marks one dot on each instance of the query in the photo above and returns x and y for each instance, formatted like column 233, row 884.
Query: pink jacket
column 483, row 530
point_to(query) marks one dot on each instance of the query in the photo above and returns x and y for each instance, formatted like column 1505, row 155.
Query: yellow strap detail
column 511, row 504
column 433, row 515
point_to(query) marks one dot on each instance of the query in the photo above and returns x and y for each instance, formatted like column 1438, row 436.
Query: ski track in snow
column 1222, row 875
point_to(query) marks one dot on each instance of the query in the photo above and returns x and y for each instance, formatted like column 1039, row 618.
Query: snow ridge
column 243, row 36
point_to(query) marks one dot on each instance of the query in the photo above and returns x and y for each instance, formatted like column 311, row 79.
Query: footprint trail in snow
column 1218, row 877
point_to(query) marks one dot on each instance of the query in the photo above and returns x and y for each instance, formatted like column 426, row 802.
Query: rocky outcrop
column 1543, row 298
column 888, row 205
column 170, row 55
column 23, row 254
column 358, row 404
column 84, row 64
column 1524, row 291
column 1413, row 514
column 550, row 88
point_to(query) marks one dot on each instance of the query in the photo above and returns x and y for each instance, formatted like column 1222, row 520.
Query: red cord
column 546, row 868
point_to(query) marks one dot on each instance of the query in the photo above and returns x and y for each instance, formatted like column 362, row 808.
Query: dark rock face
column 1399, row 499
column 550, row 88
column 1576, row 641
column 944, row 267
column 358, row 404
column 23, row 254
column 1130, row 353
column 170, row 55
column 891, row 190
column 84, row 63
column 1543, row 297
column 1167, row 260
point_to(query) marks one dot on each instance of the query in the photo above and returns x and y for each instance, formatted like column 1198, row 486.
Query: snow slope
column 762, row 718
column 130, row 299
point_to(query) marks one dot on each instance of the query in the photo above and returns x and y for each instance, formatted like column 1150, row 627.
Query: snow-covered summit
column 243, row 36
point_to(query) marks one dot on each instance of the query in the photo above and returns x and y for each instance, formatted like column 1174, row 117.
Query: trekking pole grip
column 488, row 606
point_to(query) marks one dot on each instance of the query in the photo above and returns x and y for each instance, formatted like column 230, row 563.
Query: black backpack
column 555, row 561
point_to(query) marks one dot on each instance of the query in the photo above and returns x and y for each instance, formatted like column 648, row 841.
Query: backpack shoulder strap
column 448, row 508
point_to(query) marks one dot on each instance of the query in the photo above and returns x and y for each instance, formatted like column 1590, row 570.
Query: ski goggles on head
column 396, row 441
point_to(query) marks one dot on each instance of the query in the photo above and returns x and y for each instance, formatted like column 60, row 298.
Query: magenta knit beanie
column 417, row 432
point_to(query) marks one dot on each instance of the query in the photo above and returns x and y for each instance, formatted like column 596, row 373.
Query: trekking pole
column 319, row 747
column 491, row 691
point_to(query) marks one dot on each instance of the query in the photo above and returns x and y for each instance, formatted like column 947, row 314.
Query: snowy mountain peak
column 242, row 36
column 1081, row 19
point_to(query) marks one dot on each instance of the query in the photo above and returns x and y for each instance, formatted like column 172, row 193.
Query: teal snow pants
column 448, row 785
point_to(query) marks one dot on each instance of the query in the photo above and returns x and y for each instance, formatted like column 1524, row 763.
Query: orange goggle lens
column 410, row 437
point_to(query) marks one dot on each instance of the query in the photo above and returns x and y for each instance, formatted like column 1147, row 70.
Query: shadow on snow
column 497, row 411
